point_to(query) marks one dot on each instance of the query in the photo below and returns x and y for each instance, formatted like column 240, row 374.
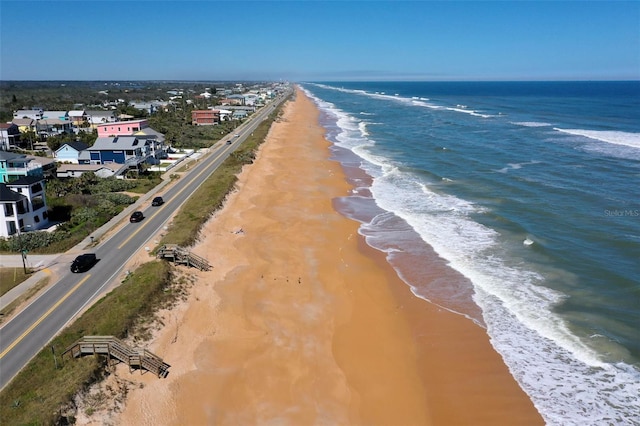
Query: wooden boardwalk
column 140, row 359
column 182, row 256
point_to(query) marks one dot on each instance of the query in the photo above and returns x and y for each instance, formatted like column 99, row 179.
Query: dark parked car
column 136, row 217
column 84, row 262
column 158, row 201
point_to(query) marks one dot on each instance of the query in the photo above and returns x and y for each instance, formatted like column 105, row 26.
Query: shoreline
column 301, row 322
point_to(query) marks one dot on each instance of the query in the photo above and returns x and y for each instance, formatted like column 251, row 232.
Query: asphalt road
column 29, row 331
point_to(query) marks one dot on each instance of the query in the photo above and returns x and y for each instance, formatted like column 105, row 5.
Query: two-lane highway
column 29, row 331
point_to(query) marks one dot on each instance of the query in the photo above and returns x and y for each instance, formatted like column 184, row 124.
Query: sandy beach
column 300, row 322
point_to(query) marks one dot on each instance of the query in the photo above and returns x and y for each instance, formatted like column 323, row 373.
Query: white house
column 23, row 206
column 68, row 152
column 100, row 170
column 34, row 114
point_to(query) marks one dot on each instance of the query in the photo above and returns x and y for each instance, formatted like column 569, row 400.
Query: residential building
column 68, row 152
column 59, row 115
column 121, row 128
column 25, row 124
column 154, row 140
column 100, row 117
column 52, row 127
column 78, row 117
column 14, row 166
column 205, row 117
column 34, row 114
column 100, row 170
column 129, row 150
column 9, row 135
column 23, row 206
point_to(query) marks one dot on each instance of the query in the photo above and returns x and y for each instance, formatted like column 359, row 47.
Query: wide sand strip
column 300, row 323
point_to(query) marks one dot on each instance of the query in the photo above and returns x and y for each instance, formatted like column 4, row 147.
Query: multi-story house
column 140, row 129
column 23, row 206
column 14, row 166
column 94, row 118
column 205, row 117
column 34, row 114
column 121, row 128
column 78, row 117
column 9, row 135
column 68, row 152
column 129, row 150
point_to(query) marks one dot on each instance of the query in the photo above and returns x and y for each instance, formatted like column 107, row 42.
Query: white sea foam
column 422, row 102
column 566, row 379
column 530, row 124
column 516, row 166
column 609, row 136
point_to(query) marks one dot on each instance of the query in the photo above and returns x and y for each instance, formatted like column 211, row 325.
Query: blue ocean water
column 531, row 191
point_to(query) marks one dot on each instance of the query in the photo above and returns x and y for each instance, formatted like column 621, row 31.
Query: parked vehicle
column 136, row 216
column 158, row 201
column 84, row 262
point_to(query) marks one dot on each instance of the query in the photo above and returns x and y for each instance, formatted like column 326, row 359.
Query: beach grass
column 44, row 390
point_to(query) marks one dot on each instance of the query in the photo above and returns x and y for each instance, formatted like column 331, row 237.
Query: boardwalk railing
column 140, row 359
column 182, row 256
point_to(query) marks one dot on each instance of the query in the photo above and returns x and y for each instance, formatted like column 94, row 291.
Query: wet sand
column 300, row 322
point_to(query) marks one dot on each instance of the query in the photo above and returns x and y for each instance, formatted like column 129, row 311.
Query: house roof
column 78, row 146
column 117, row 143
column 26, row 181
column 7, row 125
column 63, row 168
column 27, row 112
column 100, row 113
column 6, row 156
column 8, row 195
column 52, row 121
column 76, row 113
column 23, row 121
column 54, row 114
column 150, row 133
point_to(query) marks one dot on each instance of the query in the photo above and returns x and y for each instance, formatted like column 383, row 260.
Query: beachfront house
column 23, row 206
column 69, row 152
column 121, row 128
column 14, row 166
column 34, row 114
column 100, row 170
column 205, row 117
column 52, row 127
column 78, row 118
column 9, row 136
column 129, row 150
column 94, row 118
column 154, row 140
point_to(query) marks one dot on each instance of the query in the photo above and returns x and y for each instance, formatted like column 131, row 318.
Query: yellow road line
column 46, row 314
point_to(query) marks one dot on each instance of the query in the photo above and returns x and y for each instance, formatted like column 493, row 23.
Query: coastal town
column 111, row 139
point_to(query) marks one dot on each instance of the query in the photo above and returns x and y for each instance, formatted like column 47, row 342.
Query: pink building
column 121, row 128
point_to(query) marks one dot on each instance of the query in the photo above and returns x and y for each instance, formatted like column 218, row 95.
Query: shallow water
column 530, row 192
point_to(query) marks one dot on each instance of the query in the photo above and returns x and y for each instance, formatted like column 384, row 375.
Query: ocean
column 531, row 192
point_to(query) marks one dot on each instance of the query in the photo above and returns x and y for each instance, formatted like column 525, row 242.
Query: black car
column 84, row 262
column 136, row 217
column 158, row 201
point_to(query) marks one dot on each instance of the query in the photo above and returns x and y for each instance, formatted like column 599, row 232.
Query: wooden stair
column 182, row 256
column 140, row 359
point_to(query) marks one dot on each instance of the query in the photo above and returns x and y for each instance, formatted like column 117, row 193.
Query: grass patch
column 11, row 277
column 40, row 391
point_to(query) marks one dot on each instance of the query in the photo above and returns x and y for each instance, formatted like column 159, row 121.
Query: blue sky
column 319, row 40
